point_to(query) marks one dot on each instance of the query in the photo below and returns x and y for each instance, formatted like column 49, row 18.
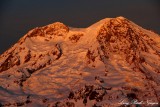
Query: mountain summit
column 111, row 63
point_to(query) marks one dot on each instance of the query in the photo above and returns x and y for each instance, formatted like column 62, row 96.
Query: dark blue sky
column 17, row 17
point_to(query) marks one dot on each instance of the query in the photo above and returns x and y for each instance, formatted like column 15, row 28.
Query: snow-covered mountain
column 110, row 63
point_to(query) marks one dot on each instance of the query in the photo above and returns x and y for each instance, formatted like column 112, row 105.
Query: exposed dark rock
column 71, row 95
column 93, row 95
column 70, row 104
column 75, row 37
column 36, row 32
column 131, row 96
column 7, row 64
column 44, row 100
column 27, row 57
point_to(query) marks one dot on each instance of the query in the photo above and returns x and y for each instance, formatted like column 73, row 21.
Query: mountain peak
column 121, row 17
column 57, row 28
column 56, row 65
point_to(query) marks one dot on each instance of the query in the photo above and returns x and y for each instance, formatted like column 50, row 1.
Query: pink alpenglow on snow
column 112, row 63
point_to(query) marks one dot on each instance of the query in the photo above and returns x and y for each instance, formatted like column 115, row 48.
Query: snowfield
column 112, row 63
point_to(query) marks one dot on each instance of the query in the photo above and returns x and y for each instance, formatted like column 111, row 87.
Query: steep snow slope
column 111, row 61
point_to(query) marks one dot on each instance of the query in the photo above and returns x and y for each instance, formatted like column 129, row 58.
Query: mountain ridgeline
column 108, row 64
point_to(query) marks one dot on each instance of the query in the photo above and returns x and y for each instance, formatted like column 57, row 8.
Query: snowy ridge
column 56, row 65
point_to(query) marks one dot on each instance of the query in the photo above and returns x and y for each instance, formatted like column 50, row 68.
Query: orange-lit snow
column 50, row 62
